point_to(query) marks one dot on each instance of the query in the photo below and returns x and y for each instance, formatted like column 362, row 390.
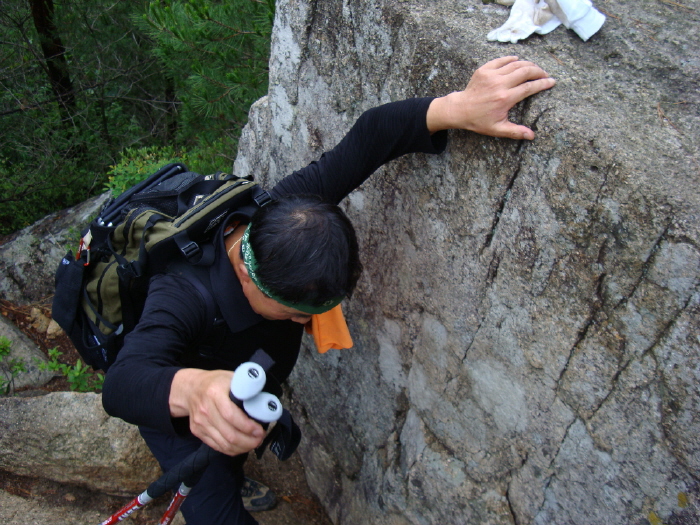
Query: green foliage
column 52, row 157
column 210, row 157
column 10, row 369
column 145, row 74
column 138, row 163
column 79, row 376
column 217, row 53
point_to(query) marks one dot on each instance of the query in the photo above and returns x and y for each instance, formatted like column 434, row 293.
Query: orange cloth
column 329, row 330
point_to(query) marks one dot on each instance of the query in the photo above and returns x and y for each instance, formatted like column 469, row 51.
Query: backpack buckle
column 262, row 198
column 190, row 250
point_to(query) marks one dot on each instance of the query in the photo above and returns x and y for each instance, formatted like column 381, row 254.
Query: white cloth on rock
column 543, row 16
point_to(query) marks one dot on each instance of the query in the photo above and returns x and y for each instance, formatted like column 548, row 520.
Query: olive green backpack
column 101, row 291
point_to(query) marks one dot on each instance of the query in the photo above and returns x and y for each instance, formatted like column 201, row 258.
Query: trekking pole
column 246, row 392
column 186, row 473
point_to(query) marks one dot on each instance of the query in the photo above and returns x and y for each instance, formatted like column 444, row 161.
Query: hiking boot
column 256, row 496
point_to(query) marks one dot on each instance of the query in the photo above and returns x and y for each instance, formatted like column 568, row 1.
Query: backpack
column 101, row 291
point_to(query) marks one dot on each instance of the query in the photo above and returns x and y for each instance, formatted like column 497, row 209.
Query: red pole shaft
column 134, row 505
column 175, row 503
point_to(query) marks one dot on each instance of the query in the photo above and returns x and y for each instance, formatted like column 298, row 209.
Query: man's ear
column 242, row 272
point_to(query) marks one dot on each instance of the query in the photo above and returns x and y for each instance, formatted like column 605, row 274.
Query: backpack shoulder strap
column 192, row 275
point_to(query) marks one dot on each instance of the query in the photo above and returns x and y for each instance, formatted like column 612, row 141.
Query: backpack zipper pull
column 85, row 245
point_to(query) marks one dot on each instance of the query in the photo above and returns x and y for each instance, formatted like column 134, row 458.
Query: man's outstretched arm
column 386, row 132
column 492, row 91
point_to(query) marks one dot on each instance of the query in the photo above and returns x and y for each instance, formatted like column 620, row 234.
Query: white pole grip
column 264, row 407
column 248, row 381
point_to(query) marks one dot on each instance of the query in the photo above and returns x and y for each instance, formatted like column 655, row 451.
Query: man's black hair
column 306, row 249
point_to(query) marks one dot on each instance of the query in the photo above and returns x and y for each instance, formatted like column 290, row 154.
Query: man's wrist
column 441, row 113
column 181, row 389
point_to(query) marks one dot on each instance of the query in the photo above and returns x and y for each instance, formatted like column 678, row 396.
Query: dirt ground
column 29, row 501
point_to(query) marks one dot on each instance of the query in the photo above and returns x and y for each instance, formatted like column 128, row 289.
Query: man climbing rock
column 294, row 262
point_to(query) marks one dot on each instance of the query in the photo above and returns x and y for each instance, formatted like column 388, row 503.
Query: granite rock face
column 28, row 260
column 27, row 355
column 67, row 437
column 527, row 325
column 62, row 436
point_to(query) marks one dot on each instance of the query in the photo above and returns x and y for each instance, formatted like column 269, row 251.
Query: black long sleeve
column 137, row 385
column 380, row 135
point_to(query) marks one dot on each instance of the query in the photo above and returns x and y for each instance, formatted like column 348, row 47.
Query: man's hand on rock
column 491, row 92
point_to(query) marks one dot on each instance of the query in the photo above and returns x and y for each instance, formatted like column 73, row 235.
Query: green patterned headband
column 251, row 265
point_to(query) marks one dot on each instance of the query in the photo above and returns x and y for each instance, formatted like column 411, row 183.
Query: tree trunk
column 54, row 54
